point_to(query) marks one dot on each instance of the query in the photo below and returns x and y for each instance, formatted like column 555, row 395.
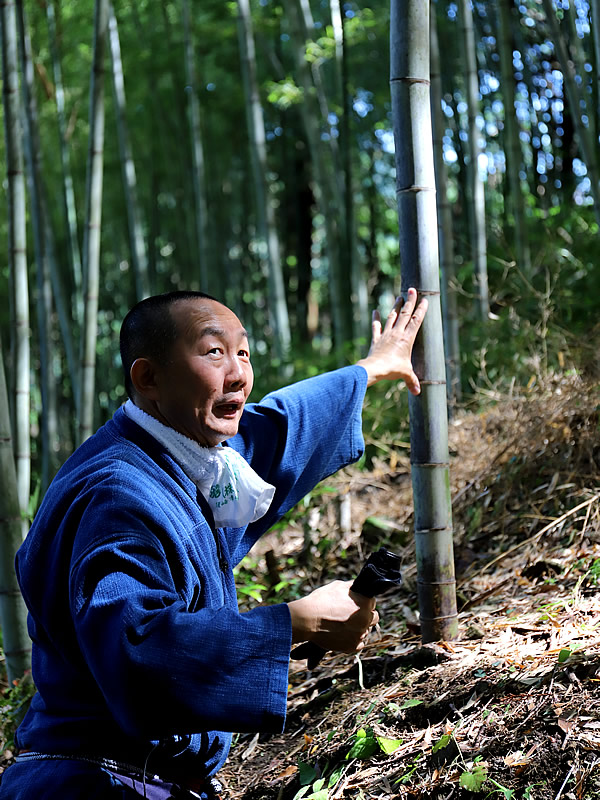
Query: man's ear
column 144, row 378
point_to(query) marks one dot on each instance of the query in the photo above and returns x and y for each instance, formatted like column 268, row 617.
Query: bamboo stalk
column 93, row 222
column 13, row 614
column 445, row 225
column 137, row 243
column 17, row 249
column 415, row 187
column 265, row 208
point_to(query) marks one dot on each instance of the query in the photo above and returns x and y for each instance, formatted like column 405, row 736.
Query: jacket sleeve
column 164, row 645
column 299, row 435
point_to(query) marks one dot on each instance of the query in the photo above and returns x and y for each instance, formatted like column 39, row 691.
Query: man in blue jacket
column 142, row 661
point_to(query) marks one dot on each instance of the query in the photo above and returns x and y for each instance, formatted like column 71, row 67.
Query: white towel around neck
column 237, row 495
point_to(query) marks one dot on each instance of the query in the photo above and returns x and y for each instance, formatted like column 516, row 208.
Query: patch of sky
column 348, row 12
column 450, row 154
column 582, row 195
column 462, row 107
column 579, row 168
column 452, row 10
column 522, row 89
column 362, row 103
column 522, row 112
column 491, row 81
column 386, row 139
column 529, row 22
column 447, row 108
column 497, row 107
column 491, row 128
column 210, row 87
column 557, row 107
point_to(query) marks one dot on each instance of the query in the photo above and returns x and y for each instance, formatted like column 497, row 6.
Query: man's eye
column 244, row 353
column 215, row 351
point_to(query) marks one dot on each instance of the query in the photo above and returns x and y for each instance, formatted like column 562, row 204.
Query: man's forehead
column 201, row 316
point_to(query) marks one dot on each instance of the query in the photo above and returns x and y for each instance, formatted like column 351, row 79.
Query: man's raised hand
column 390, row 353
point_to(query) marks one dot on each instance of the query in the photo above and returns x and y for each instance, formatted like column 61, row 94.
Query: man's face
column 202, row 389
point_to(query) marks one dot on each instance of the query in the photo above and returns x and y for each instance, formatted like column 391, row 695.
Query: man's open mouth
column 227, row 409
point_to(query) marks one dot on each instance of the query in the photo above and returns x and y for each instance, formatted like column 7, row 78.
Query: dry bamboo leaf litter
column 520, row 690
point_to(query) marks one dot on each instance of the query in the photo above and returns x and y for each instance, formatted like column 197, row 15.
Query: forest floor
column 511, row 708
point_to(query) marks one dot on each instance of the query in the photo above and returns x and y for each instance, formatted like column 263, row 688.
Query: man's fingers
column 375, row 326
column 417, row 317
column 402, row 310
column 409, row 306
column 412, row 384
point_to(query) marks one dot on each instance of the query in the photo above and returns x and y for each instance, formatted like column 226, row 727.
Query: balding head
column 149, row 330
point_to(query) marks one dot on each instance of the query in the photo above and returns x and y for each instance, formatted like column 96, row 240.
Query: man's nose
column 235, row 373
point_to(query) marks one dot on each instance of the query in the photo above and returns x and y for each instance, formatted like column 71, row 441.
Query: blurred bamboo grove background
column 246, row 149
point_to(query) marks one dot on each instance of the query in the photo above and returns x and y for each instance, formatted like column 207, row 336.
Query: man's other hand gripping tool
column 381, row 571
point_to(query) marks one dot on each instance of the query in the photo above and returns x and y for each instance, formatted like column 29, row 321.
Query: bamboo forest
column 306, row 162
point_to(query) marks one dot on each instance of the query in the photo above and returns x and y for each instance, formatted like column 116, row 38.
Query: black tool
column 381, row 571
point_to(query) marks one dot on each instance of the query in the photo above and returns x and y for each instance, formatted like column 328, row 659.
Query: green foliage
column 564, row 655
column 306, row 772
column 317, row 793
column 284, row 93
column 594, row 572
column 14, row 703
column 474, row 778
column 365, row 744
column 389, row 746
column 442, row 743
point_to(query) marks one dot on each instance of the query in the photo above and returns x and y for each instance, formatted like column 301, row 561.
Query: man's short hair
column 149, row 331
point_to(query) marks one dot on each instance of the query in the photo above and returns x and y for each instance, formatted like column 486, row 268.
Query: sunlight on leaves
column 388, row 746
column 364, row 746
column 442, row 743
column 411, row 703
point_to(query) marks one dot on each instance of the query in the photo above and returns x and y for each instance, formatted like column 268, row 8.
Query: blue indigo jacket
column 139, row 651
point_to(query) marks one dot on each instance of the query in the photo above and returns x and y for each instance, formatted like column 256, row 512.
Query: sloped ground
column 512, row 708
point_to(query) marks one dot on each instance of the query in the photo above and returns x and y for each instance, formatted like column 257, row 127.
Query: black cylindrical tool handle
column 381, row 571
